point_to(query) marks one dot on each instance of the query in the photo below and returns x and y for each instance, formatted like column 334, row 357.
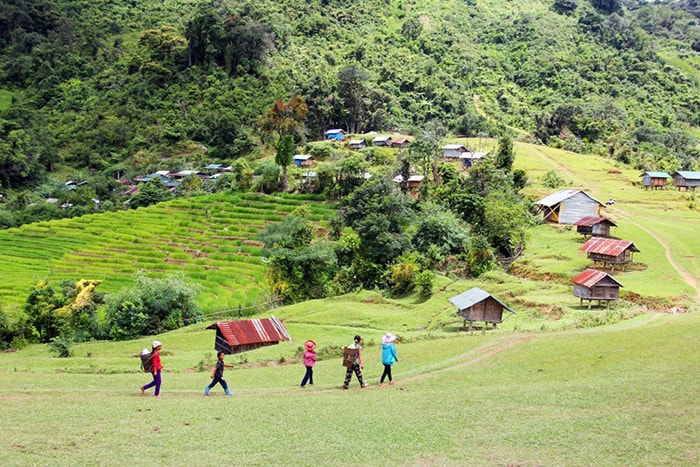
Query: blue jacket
column 389, row 354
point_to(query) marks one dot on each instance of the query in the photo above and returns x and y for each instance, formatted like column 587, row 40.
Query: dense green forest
column 120, row 86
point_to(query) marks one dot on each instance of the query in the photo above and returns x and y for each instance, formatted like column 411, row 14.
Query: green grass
column 206, row 236
column 616, row 395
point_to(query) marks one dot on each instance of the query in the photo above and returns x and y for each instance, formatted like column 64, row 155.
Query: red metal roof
column 589, row 221
column 252, row 331
column 591, row 277
column 607, row 246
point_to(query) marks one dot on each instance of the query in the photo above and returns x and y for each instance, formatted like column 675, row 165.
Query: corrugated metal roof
column 607, row 246
column 591, row 277
column 473, row 296
column 252, row 331
column 559, row 196
column 689, row 175
column 589, row 221
column 449, row 147
column 656, row 174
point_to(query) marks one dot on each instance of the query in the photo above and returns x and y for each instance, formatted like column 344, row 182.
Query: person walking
column 309, row 360
column 217, row 377
column 356, row 366
column 156, row 368
column 388, row 357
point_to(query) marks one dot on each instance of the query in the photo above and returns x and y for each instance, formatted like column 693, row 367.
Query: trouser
column 309, row 376
column 156, row 382
column 348, row 375
column 218, row 380
column 387, row 373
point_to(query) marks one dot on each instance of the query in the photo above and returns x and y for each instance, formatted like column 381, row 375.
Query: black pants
column 220, row 380
column 309, row 376
column 387, row 373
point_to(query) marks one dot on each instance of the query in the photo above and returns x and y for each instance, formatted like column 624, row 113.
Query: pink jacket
column 309, row 358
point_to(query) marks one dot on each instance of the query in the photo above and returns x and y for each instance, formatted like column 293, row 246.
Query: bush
column 425, row 280
column 61, row 346
column 552, row 179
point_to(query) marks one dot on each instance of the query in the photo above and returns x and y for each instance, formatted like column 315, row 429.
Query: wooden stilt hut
column 596, row 285
column 240, row 336
column 478, row 305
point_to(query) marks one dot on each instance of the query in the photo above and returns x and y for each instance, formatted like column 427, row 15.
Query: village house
column 398, row 142
column 336, row 134
column 382, row 141
column 357, row 144
column 654, row 180
column 594, row 226
column 609, row 251
column 469, row 158
column 568, row 206
column 478, row 305
column 596, row 285
column 687, row 180
column 453, row 151
column 303, row 160
column 414, row 181
column 234, row 337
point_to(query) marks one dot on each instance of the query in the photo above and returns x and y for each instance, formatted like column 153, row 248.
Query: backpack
column 349, row 357
column 146, row 360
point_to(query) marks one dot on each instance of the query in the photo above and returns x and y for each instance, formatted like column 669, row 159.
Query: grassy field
column 623, row 394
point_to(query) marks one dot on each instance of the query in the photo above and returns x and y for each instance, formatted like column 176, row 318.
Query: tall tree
column 284, row 156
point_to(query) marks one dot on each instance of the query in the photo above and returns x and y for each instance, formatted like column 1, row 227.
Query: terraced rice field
column 212, row 240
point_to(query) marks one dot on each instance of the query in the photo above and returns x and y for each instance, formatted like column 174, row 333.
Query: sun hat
column 156, row 344
column 388, row 338
column 310, row 345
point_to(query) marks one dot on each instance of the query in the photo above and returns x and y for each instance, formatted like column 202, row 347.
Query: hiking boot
column 206, row 390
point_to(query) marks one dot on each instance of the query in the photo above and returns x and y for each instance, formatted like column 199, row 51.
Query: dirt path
column 687, row 277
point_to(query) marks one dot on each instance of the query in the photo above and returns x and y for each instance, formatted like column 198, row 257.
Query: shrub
column 61, row 346
column 425, row 280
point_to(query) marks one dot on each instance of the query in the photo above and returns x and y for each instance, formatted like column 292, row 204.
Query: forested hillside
column 120, row 86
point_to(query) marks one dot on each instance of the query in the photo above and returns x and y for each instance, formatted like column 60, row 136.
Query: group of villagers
column 309, row 360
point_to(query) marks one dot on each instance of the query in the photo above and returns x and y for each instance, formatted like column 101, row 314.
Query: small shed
column 242, row 335
column 596, row 285
column 654, row 179
column 382, row 141
column 357, row 144
column 568, row 206
column 687, row 180
column 469, row 158
column 609, row 251
column 453, row 151
column 478, row 305
column 399, row 142
column 594, row 226
column 303, row 160
column 335, row 134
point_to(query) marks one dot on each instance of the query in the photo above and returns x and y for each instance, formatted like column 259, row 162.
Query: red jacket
column 155, row 361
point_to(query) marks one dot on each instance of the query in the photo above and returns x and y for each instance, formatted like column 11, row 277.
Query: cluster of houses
column 576, row 207
column 681, row 179
column 173, row 179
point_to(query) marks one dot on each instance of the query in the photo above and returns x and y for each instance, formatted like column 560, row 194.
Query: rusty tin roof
column 252, row 331
column 607, row 246
column 589, row 221
column 591, row 277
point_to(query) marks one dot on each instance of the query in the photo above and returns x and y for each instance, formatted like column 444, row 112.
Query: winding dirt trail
column 685, row 275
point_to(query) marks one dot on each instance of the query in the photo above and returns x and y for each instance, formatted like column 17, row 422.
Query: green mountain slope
column 100, row 83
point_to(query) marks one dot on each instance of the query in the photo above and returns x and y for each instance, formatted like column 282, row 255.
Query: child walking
column 388, row 356
column 309, row 360
column 217, row 377
column 156, row 368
